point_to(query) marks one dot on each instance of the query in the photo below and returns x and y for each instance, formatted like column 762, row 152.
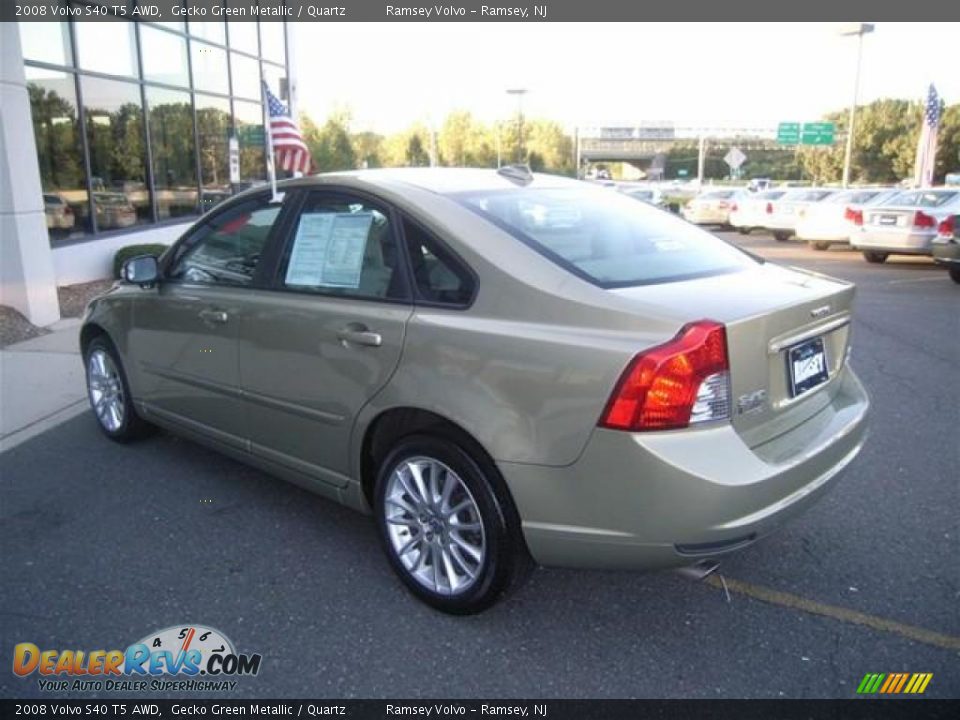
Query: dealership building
column 114, row 133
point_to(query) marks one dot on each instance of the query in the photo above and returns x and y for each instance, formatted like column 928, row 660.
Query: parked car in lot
column 114, row 210
column 750, row 212
column 496, row 365
column 784, row 213
column 946, row 246
column 59, row 214
column 832, row 221
column 712, row 207
column 906, row 224
column 650, row 195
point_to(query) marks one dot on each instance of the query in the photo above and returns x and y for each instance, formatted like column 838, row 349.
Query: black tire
column 781, row 236
column 955, row 274
column 744, row 230
column 820, row 245
column 506, row 562
column 871, row 256
column 131, row 425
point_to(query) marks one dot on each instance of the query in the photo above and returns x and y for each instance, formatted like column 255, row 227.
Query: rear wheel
column 820, row 245
column 955, row 274
column 744, row 230
column 871, row 256
column 781, row 236
column 109, row 393
column 448, row 529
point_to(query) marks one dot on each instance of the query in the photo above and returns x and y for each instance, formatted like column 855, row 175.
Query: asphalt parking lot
column 104, row 543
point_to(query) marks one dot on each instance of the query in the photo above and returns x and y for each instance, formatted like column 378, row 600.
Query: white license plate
column 807, row 366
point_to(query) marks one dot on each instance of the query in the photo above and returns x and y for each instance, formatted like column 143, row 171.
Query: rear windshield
column 919, row 198
column 718, row 195
column 853, row 197
column 810, row 195
column 607, row 238
column 771, row 195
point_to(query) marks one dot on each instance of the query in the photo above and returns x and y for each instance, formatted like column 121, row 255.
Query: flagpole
column 271, row 169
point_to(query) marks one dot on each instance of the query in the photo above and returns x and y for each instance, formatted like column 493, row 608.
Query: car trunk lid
column 775, row 317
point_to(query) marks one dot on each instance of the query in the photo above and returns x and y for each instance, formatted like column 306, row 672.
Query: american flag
column 289, row 149
column 927, row 147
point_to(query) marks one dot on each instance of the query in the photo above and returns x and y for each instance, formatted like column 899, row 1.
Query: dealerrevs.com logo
column 178, row 658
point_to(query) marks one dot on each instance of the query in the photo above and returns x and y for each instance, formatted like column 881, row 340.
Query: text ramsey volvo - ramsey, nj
column 497, row 365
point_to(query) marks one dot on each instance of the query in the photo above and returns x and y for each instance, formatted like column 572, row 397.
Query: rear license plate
column 888, row 219
column 807, row 364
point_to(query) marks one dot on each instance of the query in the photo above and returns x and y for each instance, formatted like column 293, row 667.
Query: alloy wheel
column 106, row 390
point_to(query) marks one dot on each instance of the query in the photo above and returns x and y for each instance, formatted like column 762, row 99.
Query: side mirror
column 141, row 270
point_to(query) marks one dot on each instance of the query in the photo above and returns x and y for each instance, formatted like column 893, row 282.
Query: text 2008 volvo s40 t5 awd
column 499, row 366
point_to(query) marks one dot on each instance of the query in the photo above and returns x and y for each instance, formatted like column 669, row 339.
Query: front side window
column 228, row 250
column 606, row 238
column 344, row 246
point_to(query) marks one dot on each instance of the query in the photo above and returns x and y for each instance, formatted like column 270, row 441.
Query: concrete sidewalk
column 41, row 383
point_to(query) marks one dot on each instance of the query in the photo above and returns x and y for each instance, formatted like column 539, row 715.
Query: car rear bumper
column 656, row 500
column 946, row 252
column 909, row 242
column 821, row 233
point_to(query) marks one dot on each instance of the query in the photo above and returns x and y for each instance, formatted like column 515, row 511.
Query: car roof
column 448, row 180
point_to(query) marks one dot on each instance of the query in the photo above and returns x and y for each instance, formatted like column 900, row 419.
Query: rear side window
column 605, row 237
column 438, row 276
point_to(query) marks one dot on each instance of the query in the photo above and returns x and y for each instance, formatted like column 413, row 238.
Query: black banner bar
column 471, row 11
column 862, row 709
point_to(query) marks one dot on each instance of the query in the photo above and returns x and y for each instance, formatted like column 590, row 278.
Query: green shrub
column 125, row 253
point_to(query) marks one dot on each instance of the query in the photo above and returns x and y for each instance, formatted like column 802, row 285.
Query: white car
column 750, row 211
column 786, row 212
column 645, row 193
column 906, row 224
column 835, row 219
column 712, row 207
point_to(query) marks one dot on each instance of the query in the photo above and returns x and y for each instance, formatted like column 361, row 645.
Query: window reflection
column 213, row 134
column 106, row 47
column 209, row 68
column 249, row 121
column 272, row 44
column 246, row 76
column 47, row 42
column 164, row 57
column 243, row 36
column 172, row 147
column 212, row 31
column 53, row 106
column 114, row 119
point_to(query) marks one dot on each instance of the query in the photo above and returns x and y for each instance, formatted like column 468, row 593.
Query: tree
column 330, row 145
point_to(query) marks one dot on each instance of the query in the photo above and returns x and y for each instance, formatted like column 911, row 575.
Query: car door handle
column 213, row 316
column 357, row 334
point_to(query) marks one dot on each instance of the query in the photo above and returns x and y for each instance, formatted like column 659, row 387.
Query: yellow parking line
column 776, row 597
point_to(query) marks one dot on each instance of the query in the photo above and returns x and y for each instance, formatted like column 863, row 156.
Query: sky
column 714, row 75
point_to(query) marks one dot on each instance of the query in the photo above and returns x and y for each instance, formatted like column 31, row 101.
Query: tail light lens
column 947, row 227
column 922, row 220
column 733, row 207
column 674, row 385
column 68, row 210
column 854, row 216
column 769, row 208
column 723, row 205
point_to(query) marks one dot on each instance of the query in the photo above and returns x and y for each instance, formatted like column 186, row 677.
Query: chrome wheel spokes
column 106, row 390
column 434, row 525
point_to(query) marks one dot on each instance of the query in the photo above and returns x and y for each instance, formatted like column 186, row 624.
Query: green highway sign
column 818, row 133
column 788, row 133
column 251, row 135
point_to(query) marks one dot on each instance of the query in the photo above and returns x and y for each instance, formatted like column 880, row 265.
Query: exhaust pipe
column 698, row 571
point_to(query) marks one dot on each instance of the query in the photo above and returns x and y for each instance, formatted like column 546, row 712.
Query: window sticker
column 329, row 250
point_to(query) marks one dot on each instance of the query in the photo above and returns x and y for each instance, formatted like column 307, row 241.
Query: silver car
column 498, row 366
column 906, row 224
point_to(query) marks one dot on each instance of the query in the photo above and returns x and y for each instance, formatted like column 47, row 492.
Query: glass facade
column 133, row 120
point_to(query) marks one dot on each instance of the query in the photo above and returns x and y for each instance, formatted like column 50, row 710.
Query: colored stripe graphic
column 894, row 683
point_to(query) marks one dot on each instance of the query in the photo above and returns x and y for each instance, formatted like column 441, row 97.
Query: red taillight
column 947, row 227
column 674, row 385
column 733, row 207
column 922, row 220
column 769, row 208
column 723, row 205
column 68, row 210
column 854, row 216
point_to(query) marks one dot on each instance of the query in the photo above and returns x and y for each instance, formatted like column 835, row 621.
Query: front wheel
column 744, row 230
column 820, row 245
column 447, row 527
column 109, row 393
column 872, row 256
column 781, row 236
column 955, row 274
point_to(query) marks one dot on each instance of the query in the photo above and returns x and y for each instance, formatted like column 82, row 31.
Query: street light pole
column 858, row 29
column 519, row 92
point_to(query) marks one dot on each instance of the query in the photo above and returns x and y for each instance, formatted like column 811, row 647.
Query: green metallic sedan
column 502, row 368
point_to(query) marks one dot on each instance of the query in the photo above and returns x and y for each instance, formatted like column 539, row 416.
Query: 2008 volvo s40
column 499, row 366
